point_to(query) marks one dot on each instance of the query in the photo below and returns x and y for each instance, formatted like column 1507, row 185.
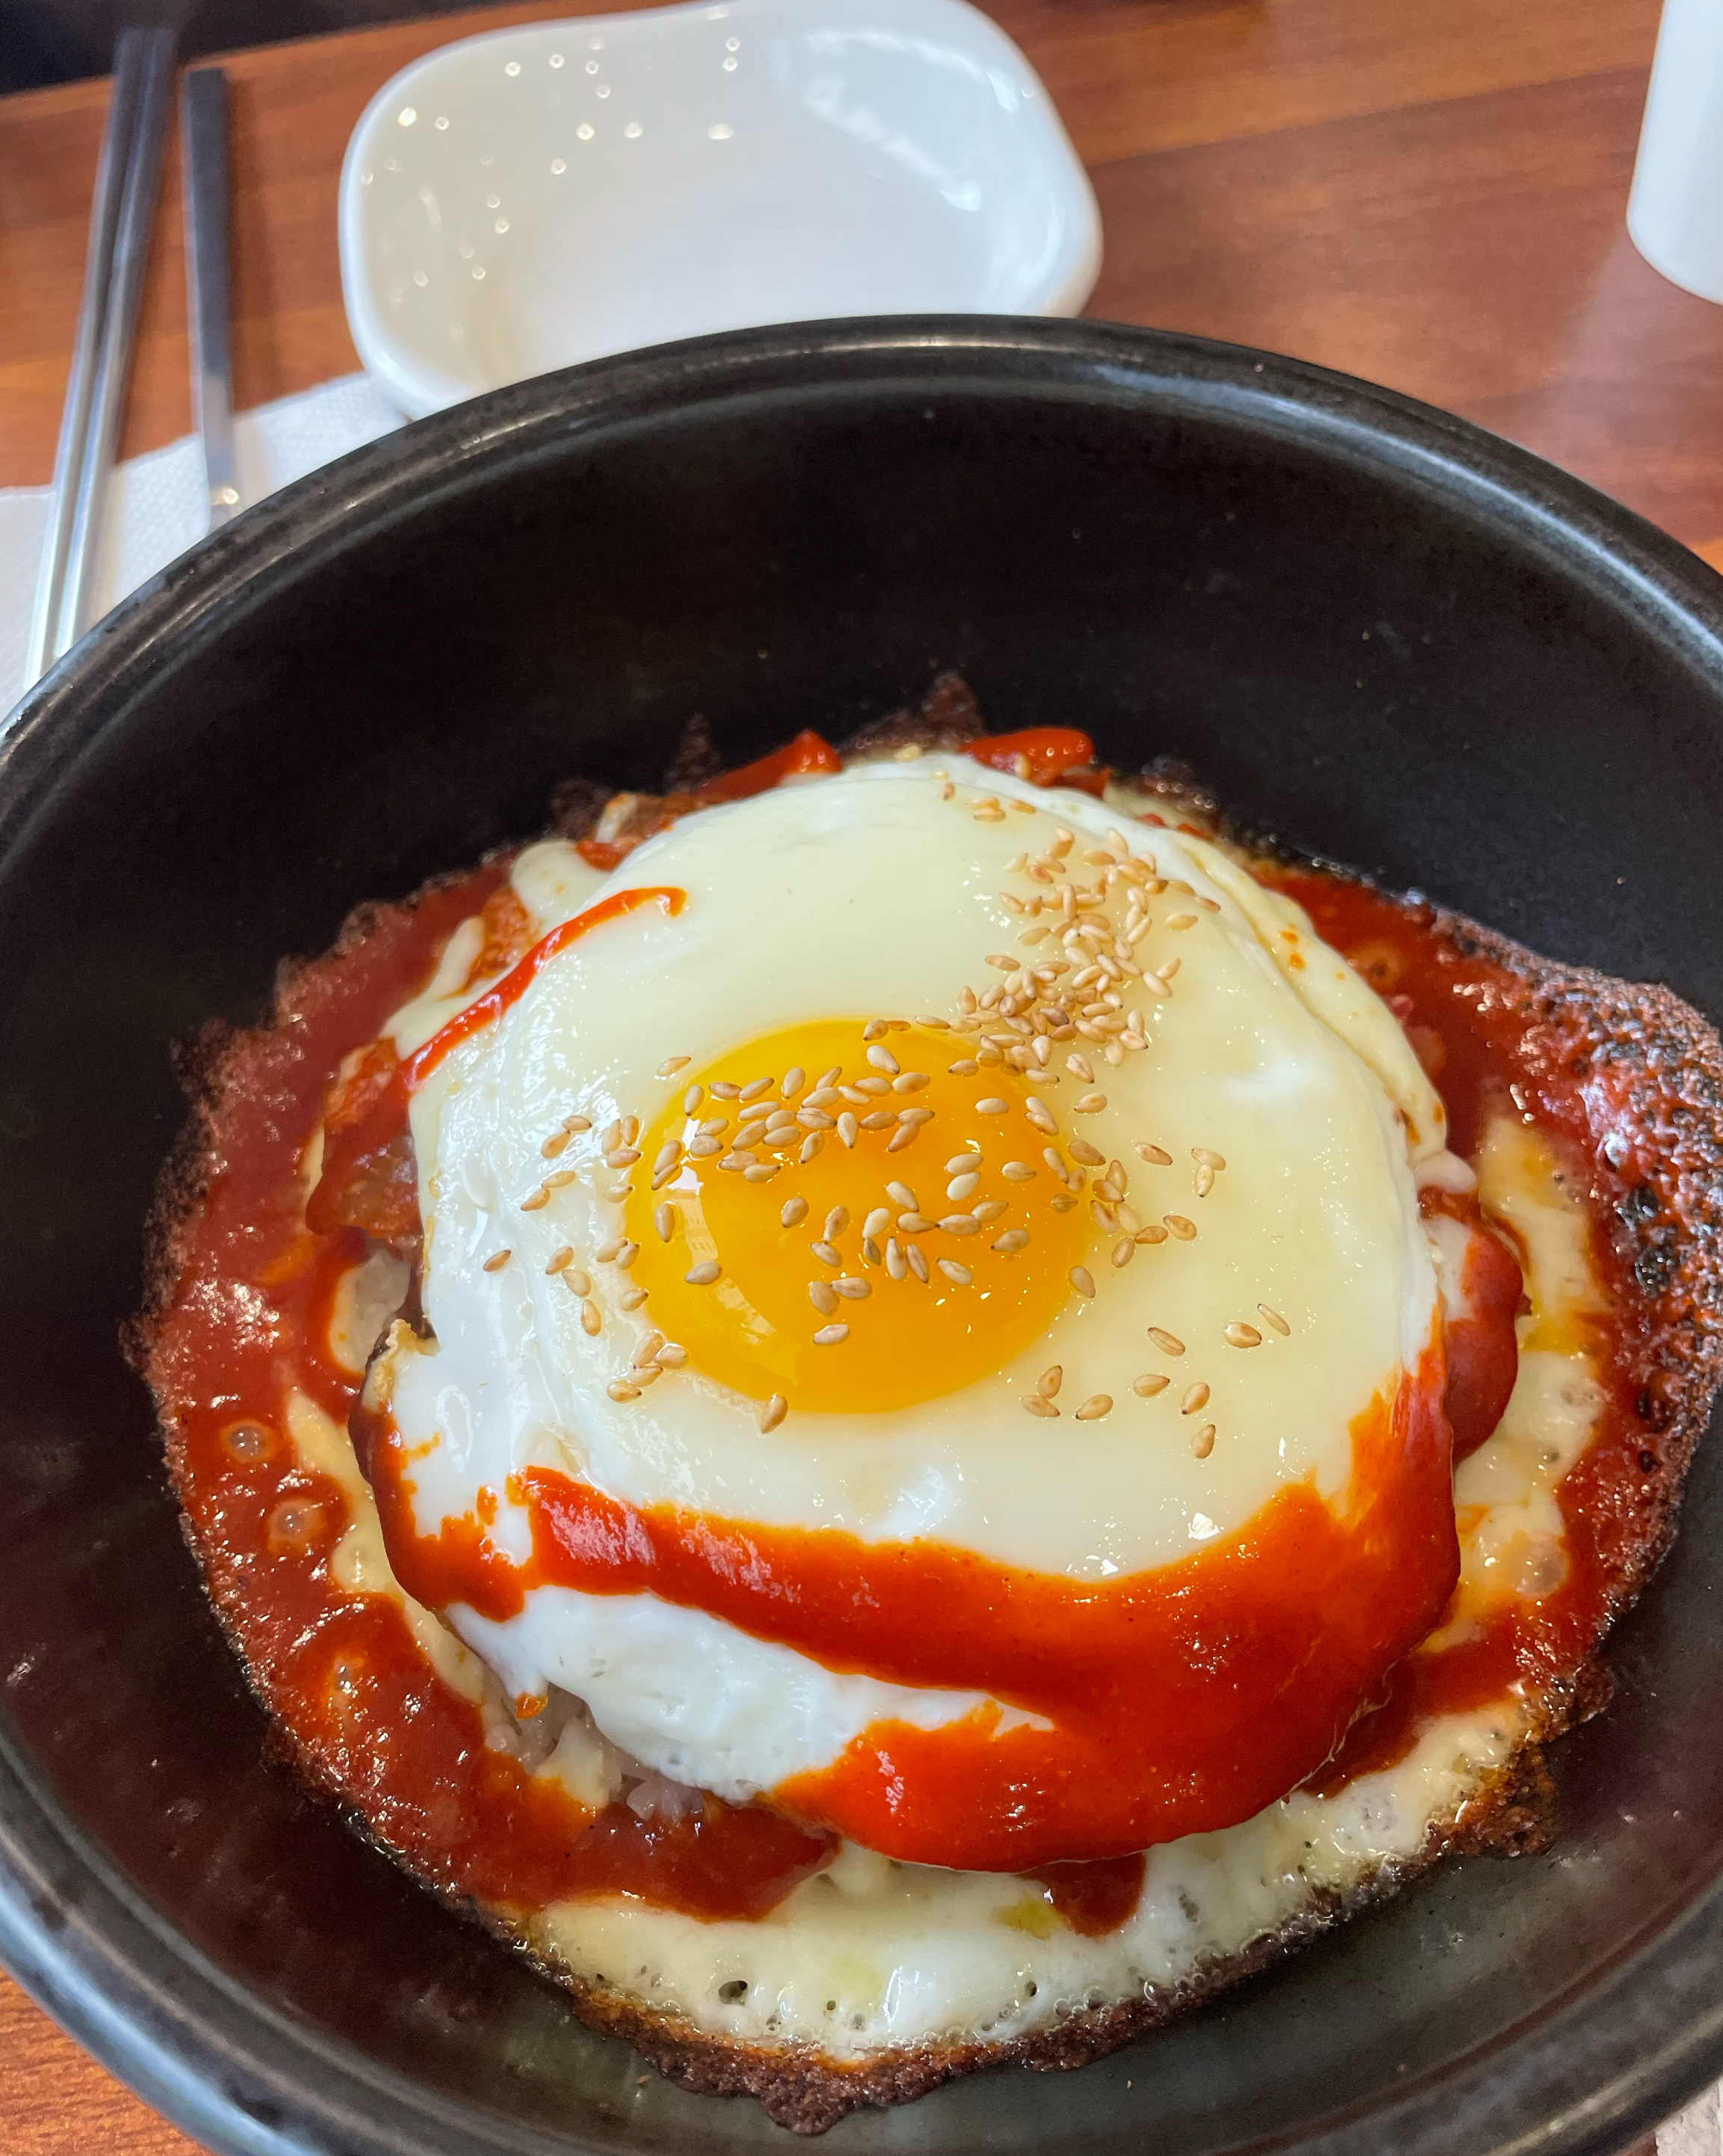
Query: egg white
column 870, row 893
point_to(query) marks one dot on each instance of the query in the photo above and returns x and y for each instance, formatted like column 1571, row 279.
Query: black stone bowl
column 1381, row 633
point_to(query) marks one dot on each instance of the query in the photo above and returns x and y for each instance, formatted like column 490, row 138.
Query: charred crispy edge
column 1675, row 1241
column 804, row 2089
column 1667, row 1063
column 947, row 717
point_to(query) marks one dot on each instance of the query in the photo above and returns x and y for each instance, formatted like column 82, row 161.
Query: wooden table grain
column 1430, row 196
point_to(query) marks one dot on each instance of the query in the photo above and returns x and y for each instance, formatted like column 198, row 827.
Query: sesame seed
column 1041, row 1115
column 1013, row 1239
column 1274, row 1319
column 870, row 1250
column 704, row 1148
column 647, row 1351
column 1204, row 1158
column 1049, row 1381
column 1102, row 1213
column 1204, row 1182
column 1095, row 1407
column 773, row 1412
column 667, row 1154
column 895, row 1262
column 963, row 1186
column 672, row 1356
column 554, row 1144
column 1035, row 1404
column 631, row 1298
column 663, row 1219
column 692, row 1098
column 824, row 1296
column 1151, row 1383
column 939, row 1025
column 853, row 1289
column 1181, row 921
column 724, row 1089
column 877, row 1222
column 576, row 1123
column 915, row 1115
column 1244, row 1335
column 1083, row 1280
column 1165, row 973
column 612, row 1135
column 793, row 1081
column 827, row 1253
column 810, row 1146
column 917, row 1261
column 1177, row 1225
column 809, row 1119
column 953, row 1272
column 1079, row 1067
column 1123, row 1251
column 875, row 1029
column 1197, row 1397
column 900, row 1194
column 671, row 1064
column 564, row 1176
column 589, row 1318
column 908, row 1081
column 992, row 1106
column 1203, row 1443
column 828, row 1078
column 763, row 1171
column 848, row 1128
column 794, row 1213
column 914, row 1223
column 910, row 752
column 495, row 1263
column 1090, row 1103
column 1017, row 1170
column 754, row 1088
column 1169, row 1343
column 1090, row 1155
column 704, row 1274
column 619, row 1390
column 831, row 1335
column 1063, row 842
column 561, row 1258
column 882, row 1059
column 1208, row 905
column 960, row 1162
column 626, row 1255
column 881, row 1119
column 577, row 1282
column 966, row 1066
column 536, row 1202
column 871, row 1087
column 960, row 1224
column 621, row 1156
column 1156, row 1156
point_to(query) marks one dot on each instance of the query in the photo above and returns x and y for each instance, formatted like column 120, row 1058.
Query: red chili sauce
column 249, row 1323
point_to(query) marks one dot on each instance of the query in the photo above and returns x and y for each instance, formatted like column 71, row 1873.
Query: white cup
column 1675, row 210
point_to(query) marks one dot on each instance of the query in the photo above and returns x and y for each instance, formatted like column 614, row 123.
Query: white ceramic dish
column 535, row 197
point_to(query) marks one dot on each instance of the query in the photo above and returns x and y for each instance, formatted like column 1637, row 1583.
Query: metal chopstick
column 80, row 383
column 113, row 361
column 204, row 107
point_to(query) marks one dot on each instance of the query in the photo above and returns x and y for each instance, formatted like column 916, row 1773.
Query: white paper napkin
column 156, row 504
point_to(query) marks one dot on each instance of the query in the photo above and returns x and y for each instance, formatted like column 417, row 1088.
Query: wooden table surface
column 1431, row 196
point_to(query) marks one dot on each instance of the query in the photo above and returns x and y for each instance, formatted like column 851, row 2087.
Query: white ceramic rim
column 417, row 388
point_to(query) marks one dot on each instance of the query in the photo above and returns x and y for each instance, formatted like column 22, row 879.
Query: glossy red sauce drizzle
column 1464, row 1013
column 248, row 1325
column 1179, row 1699
column 368, row 1177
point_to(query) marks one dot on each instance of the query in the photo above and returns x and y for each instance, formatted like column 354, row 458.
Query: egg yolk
column 855, row 1225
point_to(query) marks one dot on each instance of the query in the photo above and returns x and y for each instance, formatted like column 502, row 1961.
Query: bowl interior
column 1359, row 624
column 536, row 196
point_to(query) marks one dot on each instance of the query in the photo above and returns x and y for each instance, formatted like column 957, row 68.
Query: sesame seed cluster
column 1071, row 997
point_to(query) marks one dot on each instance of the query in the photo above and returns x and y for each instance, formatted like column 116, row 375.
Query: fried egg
column 900, row 1161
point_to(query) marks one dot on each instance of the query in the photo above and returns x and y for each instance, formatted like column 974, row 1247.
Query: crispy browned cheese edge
column 1670, row 1062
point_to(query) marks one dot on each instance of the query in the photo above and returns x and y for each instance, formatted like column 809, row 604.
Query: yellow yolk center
column 876, row 1226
